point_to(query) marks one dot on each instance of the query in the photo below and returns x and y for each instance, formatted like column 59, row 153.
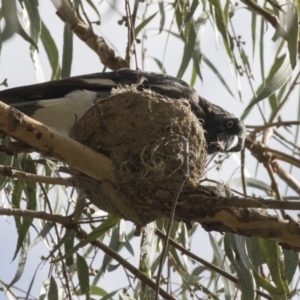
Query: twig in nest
column 183, row 140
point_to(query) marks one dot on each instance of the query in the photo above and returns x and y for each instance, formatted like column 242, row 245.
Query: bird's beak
column 229, row 141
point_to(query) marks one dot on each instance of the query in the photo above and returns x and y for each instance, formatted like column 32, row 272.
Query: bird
column 60, row 103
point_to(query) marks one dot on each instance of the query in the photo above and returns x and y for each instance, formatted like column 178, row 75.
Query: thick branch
column 243, row 221
column 107, row 55
column 47, row 141
column 266, row 155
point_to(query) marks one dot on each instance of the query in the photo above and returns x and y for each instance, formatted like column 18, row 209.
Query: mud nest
column 139, row 132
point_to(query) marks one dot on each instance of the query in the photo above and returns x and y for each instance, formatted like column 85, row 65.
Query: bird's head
column 224, row 133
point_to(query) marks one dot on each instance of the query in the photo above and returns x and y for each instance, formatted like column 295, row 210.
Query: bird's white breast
column 62, row 113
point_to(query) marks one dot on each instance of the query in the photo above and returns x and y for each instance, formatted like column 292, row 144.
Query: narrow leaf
column 34, row 18
column 51, row 51
column 188, row 51
column 241, row 262
column 67, row 56
column 229, row 288
column 53, row 290
column 291, row 259
column 271, row 252
column 95, row 290
column 22, row 260
column 279, row 79
column 94, row 8
column 292, row 37
column 95, row 234
column 162, row 15
column 191, row 12
column 159, row 64
column 217, row 73
column 83, row 276
column 69, row 244
column 221, row 23
column 143, row 24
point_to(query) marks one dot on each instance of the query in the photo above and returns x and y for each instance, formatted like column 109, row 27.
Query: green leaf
column 148, row 249
column 221, row 23
column 51, row 51
column 188, row 51
column 261, row 49
column 291, row 259
column 42, row 234
column 284, row 72
column 274, row 69
column 217, row 73
column 53, row 290
column 229, row 288
column 69, row 244
column 95, row 290
column 60, row 243
column 159, row 64
column 253, row 32
column 191, row 12
column 27, row 38
column 292, row 36
column 110, row 295
column 114, row 244
column 22, row 259
column 263, row 283
column 12, row 25
column 29, row 188
column 83, row 276
column 32, row 281
column 199, row 26
column 162, row 15
column 94, row 8
column 252, row 182
column 34, row 17
column 110, row 222
column 143, row 24
column 67, row 56
column 271, row 252
column 239, row 258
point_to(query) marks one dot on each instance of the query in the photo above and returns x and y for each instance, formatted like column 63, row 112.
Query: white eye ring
column 229, row 124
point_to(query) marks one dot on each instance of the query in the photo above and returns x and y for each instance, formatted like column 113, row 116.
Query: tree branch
column 272, row 19
column 107, row 55
column 12, row 173
column 53, row 144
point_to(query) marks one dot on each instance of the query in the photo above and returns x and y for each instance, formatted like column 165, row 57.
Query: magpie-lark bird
column 58, row 104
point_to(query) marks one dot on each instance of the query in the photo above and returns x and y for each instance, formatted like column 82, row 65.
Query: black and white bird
column 59, row 104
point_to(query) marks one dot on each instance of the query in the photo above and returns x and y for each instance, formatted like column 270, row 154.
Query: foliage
column 261, row 70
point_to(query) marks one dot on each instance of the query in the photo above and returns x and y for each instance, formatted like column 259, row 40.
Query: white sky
column 16, row 65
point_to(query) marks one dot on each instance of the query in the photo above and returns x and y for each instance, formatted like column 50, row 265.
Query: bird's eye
column 229, row 124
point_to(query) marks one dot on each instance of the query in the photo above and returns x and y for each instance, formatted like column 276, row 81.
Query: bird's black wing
column 60, row 103
column 99, row 82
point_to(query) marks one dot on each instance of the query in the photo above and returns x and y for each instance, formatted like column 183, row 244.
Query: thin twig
column 259, row 128
column 183, row 140
column 204, row 262
column 12, row 173
column 63, row 266
column 136, row 272
column 272, row 19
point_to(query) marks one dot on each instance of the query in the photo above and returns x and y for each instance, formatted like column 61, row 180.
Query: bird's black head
column 223, row 131
column 224, row 134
